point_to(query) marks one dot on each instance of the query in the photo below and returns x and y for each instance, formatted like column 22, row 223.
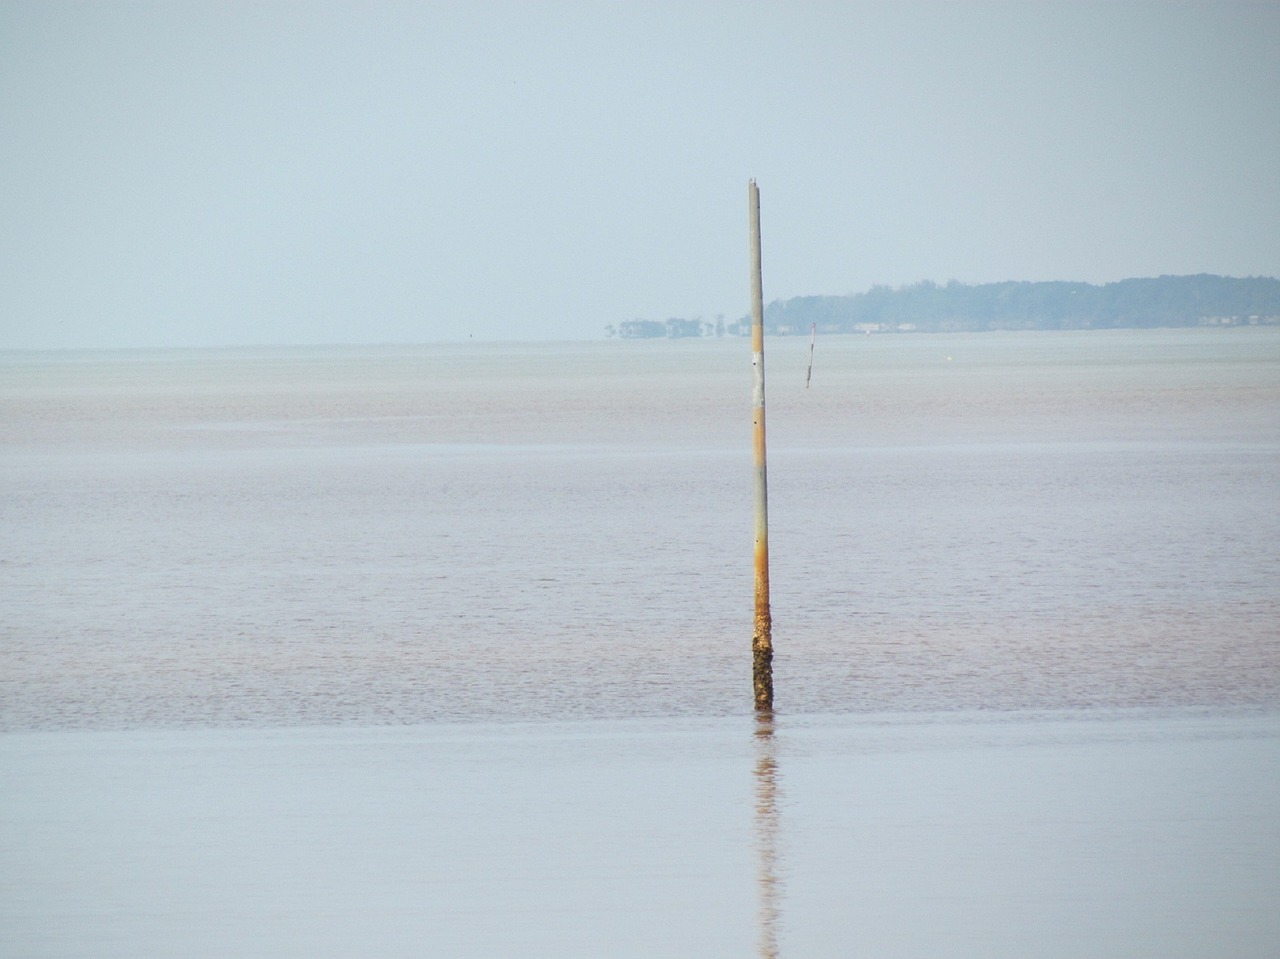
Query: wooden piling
column 813, row 338
column 762, row 639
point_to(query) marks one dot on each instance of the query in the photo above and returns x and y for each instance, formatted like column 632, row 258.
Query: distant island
column 1165, row 301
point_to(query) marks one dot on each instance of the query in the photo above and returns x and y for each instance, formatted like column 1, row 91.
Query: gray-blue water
column 404, row 651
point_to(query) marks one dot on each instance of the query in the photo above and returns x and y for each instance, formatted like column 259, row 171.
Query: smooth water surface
column 444, row 650
column 1117, row 836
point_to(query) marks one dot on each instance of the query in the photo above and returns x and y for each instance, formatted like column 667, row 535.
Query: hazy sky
column 184, row 173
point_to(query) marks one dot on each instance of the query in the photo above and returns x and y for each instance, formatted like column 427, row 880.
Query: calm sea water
column 346, row 536
column 446, row 649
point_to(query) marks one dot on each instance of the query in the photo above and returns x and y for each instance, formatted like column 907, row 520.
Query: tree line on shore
column 926, row 307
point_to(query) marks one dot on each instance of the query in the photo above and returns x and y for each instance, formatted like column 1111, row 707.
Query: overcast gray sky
column 186, row 173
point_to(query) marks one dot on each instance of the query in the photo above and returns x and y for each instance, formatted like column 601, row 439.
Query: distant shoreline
column 1165, row 302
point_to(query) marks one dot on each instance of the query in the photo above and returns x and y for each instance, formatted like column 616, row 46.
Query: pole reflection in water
column 767, row 824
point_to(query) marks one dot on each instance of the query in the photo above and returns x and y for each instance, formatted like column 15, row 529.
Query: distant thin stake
column 813, row 336
column 762, row 640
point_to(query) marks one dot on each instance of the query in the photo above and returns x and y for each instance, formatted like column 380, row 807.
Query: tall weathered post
column 762, row 640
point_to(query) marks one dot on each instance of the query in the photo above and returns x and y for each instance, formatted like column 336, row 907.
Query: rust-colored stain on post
column 762, row 640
